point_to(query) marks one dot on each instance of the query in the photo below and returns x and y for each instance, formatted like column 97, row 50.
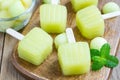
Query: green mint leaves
column 103, row 58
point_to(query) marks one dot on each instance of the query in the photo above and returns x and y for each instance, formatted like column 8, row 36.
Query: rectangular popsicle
column 53, row 18
column 90, row 22
column 80, row 4
column 74, row 58
column 35, row 46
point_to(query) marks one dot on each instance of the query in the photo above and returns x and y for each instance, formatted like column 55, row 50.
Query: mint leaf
column 105, row 50
column 98, row 63
column 97, row 66
column 111, row 62
column 94, row 52
column 103, row 58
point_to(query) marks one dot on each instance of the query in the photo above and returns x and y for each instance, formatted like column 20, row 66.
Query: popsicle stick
column 111, row 15
column 70, row 35
column 14, row 34
column 55, row 2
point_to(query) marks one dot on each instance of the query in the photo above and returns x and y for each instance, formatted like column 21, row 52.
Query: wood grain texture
column 1, row 47
column 116, row 71
column 8, row 72
column 50, row 68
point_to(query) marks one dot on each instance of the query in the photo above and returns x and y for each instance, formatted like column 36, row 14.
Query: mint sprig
column 103, row 58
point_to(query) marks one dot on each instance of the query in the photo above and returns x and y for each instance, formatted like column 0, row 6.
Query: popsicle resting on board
column 90, row 22
column 80, row 4
column 35, row 46
column 53, row 18
column 74, row 57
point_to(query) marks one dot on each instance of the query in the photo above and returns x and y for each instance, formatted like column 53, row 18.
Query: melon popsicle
column 53, row 17
column 90, row 22
column 74, row 57
column 35, row 46
column 80, row 4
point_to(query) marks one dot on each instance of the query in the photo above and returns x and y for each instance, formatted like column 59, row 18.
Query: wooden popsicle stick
column 55, row 2
column 111, row 15
column 14, row 34
column 70, row 35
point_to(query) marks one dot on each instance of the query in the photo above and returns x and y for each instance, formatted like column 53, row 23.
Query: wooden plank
column 8, row 72
column 1, row 47
column 116, row 71
column 50, row 68
column 0, row 77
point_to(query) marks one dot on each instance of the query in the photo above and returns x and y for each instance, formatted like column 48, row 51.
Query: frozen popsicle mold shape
column 53, row 18
column 74, row 57
column 90, row 22
column 35, row 46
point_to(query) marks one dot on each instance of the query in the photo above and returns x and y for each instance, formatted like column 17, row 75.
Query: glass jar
column 17, row 22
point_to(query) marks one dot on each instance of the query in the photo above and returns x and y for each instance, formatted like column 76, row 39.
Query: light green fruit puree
column 35, row 47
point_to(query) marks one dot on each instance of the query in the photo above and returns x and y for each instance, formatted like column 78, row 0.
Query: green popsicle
column 35, row 46
column 90, row 22
column 80, row 4
column 74, row 57
column 53, row 18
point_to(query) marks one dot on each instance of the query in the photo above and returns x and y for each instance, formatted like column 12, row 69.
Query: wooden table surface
column 7, row 70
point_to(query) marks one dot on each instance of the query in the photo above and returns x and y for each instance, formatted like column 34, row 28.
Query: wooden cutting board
column 50, row 68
